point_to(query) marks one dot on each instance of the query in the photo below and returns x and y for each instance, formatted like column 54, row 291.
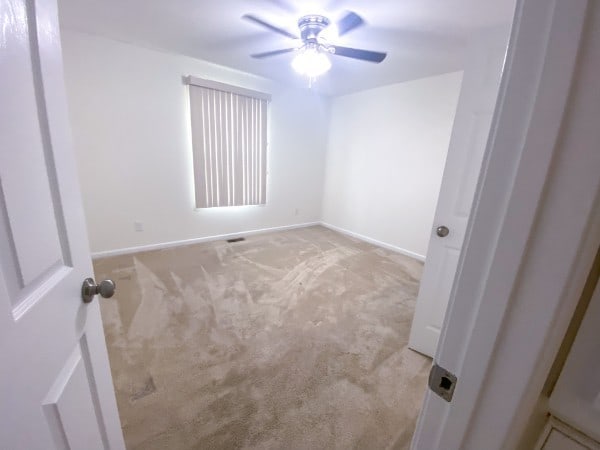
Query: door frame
column 532, row 235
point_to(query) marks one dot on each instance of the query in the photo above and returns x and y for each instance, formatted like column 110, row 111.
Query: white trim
column 219, row 237
column 564, row 429
column 218, row 86
column 374, row 241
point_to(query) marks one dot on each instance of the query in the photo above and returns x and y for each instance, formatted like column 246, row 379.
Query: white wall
column 385, row 159
column 130, row 120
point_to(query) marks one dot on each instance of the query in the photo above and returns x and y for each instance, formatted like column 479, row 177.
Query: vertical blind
column 229, row 140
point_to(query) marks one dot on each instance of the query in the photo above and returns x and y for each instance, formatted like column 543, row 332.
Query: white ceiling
column 422, row 37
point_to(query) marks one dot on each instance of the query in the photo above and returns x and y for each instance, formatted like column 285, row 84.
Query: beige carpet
column 290, row 340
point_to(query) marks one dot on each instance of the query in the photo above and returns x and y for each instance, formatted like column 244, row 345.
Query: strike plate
column 442, row 382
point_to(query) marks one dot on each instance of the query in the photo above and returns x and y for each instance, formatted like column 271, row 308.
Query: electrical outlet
column 138, row 226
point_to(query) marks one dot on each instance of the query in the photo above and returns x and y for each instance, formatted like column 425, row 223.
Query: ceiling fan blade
column 349, row 22
column 365, row 55
column 267, row 25
column 283, row 5
column 272, row 53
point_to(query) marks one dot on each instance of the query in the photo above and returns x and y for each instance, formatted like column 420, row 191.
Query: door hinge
column 442, row 382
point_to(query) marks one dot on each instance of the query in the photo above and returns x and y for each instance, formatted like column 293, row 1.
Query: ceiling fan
column 311, row 58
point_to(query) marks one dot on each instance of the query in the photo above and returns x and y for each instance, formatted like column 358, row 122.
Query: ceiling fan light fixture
column 316, row 35
column 312, row 62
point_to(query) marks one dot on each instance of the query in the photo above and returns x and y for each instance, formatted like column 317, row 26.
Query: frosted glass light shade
column 311, row 62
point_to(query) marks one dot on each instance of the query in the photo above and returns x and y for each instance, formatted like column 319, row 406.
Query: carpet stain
column 296, row 339
column 147, row 389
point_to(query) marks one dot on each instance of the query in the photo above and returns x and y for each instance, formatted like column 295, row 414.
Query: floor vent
column 240, row 239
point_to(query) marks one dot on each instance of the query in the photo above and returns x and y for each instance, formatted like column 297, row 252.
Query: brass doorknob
column 90, row 289
column 442, row 231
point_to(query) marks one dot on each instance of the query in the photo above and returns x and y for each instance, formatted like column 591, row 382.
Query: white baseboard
column 220, row 237
column 374, row 241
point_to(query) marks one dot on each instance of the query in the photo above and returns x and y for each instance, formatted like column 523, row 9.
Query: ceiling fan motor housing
column 311, row 25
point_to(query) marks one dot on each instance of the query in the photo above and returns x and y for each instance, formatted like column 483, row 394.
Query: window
column 229, row 141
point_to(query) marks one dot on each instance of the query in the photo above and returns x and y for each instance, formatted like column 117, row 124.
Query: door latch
column 442, row 382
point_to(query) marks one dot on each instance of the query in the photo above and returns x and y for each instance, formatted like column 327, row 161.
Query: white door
column 533, row 233
column 55, row 385
column 474, row 111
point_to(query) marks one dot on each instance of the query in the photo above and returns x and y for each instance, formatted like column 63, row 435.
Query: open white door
column 56, row 387
column 532, row 235
column 479, row 91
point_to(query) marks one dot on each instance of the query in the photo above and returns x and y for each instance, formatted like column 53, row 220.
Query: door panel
column 479, row 127
column 481, row 81
column 70, row 409
column 27, row 133
column 449, row 262
column 55, row 382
